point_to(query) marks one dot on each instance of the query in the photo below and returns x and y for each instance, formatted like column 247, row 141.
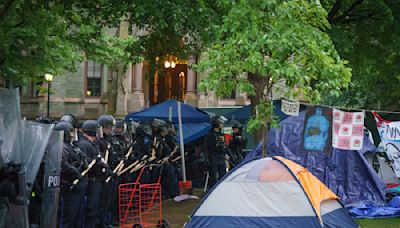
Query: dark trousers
column 92, row 203
column 169, row 181
column 72, row 200
column 217, row 169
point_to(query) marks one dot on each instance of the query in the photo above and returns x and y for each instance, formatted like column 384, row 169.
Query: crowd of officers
column 99, row 155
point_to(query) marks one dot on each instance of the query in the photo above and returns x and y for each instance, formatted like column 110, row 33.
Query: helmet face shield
column 76, row 135
column 120, row 129
column 99, row 133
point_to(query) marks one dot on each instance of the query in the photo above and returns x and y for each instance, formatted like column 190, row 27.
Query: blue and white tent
column 270, row 192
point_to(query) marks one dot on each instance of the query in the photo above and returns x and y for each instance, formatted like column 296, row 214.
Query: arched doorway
column 171, row 84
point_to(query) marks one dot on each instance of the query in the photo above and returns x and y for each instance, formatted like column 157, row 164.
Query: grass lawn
column 177, row 215
column 381, row 223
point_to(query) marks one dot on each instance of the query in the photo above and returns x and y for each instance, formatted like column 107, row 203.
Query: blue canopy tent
column 195, row 123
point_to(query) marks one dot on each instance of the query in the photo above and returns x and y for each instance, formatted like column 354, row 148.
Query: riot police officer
column 87, row 144
column 169, row 177
column 109, row 191
column 216, row 148
column 73, row 163
column 237, row 144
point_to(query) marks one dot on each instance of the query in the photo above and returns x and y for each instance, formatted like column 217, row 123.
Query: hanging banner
column 317, row 134
column 290, row 108
column 348, row 130
column 390, row 137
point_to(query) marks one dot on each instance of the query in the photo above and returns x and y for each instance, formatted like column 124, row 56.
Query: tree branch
column 6, row 6
column 348, row 13
column 335, row 9
column 357, row 18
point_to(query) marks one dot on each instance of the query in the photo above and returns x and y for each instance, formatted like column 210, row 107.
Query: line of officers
column 92, row 151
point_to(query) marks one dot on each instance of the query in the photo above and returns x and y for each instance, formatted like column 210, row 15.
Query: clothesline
column 345, row 108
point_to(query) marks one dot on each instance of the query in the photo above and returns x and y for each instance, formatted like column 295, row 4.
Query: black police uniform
column 73, row 163
column 169, row 179
column 216, row 148
column 236, row 146
column 94, row 182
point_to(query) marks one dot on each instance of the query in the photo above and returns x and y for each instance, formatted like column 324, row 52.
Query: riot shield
column 10, row 126
column 35, row 139
column 51, row 183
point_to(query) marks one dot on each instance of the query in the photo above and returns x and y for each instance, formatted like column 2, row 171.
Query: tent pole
column 181, row 141
column 170, row 114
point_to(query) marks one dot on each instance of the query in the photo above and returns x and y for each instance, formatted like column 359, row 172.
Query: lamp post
column 49, row 78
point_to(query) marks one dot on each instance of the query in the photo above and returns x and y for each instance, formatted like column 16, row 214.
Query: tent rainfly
column 270, row 192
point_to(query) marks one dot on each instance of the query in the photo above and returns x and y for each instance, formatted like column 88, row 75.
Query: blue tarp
column 347, row 173
column 369, row 210
column 195, row 123
column 244, row 113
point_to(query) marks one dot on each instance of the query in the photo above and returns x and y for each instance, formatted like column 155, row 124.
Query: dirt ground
column 178, row 213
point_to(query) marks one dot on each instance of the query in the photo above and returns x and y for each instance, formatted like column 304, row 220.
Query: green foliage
column 41, row 37
column 369, row 37
column 261, row 43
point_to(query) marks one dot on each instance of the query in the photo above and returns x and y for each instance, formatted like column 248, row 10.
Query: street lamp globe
column 48, row 77
column 167, row 64
column 173, row 64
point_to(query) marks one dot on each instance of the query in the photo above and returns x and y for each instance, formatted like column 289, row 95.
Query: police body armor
column 72, row 156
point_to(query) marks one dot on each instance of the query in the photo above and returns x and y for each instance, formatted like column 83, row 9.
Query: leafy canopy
column 41, row 37
column 367, row 33
column 264, row 43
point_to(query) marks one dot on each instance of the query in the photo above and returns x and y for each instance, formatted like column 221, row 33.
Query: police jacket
column 171, row 141
column 90, row 150
column 215, row 144
column 238, row 142
column 74, row 160
column 104, row 144
column 164, row 149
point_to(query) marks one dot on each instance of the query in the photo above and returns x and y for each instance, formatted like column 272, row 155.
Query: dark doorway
column 169, row 85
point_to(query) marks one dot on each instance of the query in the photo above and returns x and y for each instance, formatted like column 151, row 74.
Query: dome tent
column 270, row 192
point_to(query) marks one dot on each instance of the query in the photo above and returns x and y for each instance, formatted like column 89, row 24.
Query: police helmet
column 216, row 122
column 238, row 125
column 70, row 119
column 170, row 125
column 157, row 123
column 120, row 127
column 106, row 121
column 44, row 120
column 133, row 126
column 67, row 128
column 164, row 129
column 90, row 127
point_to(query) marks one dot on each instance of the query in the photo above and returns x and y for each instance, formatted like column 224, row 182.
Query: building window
column 94, row 73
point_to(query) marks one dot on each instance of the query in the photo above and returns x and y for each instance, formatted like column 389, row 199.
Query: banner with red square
column 348, row 130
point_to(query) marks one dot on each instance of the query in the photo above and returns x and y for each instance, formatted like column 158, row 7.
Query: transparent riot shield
column 10, row 126
column 35, row 139
column 51, row 181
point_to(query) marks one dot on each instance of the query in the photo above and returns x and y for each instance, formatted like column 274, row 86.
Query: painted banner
column 348, row 130
column 390, row 137
column 317, row 134
column 290, row 108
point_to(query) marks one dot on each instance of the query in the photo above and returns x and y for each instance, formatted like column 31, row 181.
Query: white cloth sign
column 347, row 130
column 390, row 137
column 290, row 108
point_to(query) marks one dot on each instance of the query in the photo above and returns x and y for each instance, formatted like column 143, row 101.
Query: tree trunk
column 260, row 84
